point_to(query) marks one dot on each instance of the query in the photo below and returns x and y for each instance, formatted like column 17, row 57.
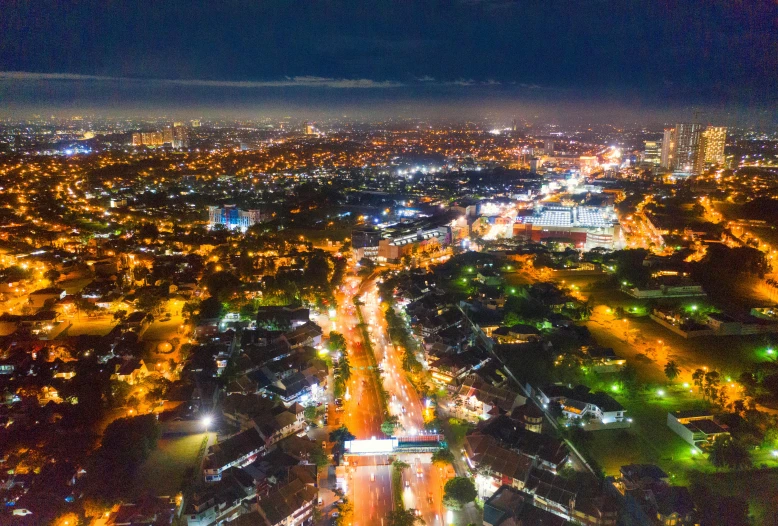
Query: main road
column 370, row 480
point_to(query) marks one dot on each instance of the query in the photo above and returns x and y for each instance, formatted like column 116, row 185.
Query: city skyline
column 400, row 263
column 625, row 58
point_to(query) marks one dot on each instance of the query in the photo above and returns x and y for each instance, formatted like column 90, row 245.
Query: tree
column 346, row 510
column 222, row 285
column 711, row 385
column 403, row 518
column 698, row 376
column 671, row 370
column 211, row 308
column 388, row 426
column 126, row 444
column 344, row 368
column 319, row 457
column 628, row 377
column 738, row 456
column 336, row 342
column 339, row 437
column 717, row 454
column 310, row 412
column 443, row 456
column 726, row 452
column 458, row 492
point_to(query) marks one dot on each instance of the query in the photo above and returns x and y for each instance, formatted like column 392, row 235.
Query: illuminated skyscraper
column 687, row 147
column 668, row 149
column 714, row 137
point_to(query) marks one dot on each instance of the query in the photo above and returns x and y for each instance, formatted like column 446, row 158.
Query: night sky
column 633, row 53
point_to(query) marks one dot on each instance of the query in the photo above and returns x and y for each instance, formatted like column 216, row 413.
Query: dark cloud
column 720, row 52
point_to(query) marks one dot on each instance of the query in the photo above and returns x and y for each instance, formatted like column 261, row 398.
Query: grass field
column 96, row 327
column 730, row 355
column 759, row 487
column 649, row 439
column 165, row 470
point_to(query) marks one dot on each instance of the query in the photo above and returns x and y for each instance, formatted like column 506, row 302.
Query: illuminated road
column 362, row 415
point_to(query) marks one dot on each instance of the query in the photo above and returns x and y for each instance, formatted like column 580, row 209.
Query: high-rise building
column 687, row 146
column 310, row 129
column 167, row 135
column 180, row 137
column 152, row 138
column 137, row 139
column 715, row 137
column 652, row 152
column 548, row 148
column 195, row 123
column 668, row 149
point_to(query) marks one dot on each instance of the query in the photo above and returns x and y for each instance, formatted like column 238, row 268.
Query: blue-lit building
column 233, row 217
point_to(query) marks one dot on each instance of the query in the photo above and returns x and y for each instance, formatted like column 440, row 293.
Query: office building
column 195, row 123
column 548, row 148
column 652, row 152
column 231, row 217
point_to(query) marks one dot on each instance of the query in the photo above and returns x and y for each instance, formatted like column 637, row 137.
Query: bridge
column 395, row 445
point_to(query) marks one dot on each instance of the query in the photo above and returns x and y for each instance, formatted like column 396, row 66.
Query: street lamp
column 207, row 421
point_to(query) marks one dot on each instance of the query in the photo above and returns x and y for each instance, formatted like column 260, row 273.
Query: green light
column 615, row 388
column 660, row 392
column 770, row 350
column 694, row 307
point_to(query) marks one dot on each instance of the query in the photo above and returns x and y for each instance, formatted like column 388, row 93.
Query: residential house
column 511, row 507
column 42, row 297
column 547, row 452
column 290, row 504
column 603, row 359
column 478, row 400
column 580, row 403
column 497, row 465
column 518, row 333
column 131, row 371
column 238, row 450
column 649, row 499
column 220, row 502
column 286, row 316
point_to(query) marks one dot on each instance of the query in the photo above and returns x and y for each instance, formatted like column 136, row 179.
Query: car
column 372, row 477
column 429, row 497
column 336, row 514
column 407, row 483
column 22, row 512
